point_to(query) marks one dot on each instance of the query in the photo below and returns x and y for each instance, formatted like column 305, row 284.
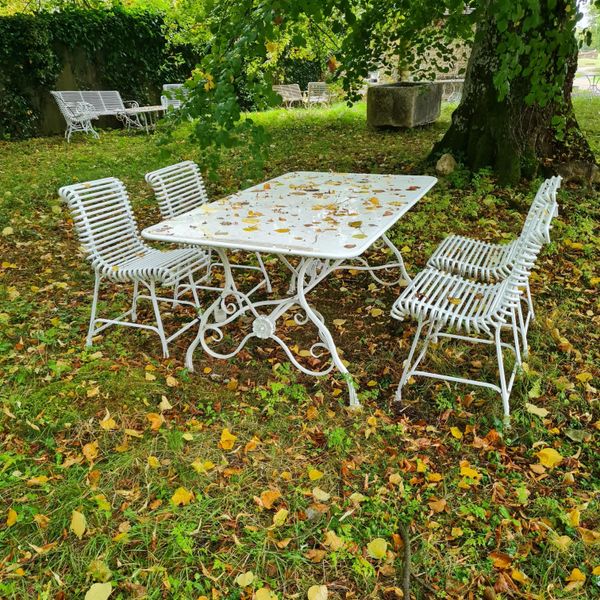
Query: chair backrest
column 178, row 188
column 105, row 223
column 318, row 90
column 173, row 95
column 543, row 204
column 290, row 92
column 105, row 102
column 67, row 109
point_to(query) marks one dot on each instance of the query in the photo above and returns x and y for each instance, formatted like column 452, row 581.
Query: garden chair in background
column 173, row 95
column 290, row 94
column 78, row 116
column 449, row 305
column 318, row 93
column 108, row 232
column 179, row 188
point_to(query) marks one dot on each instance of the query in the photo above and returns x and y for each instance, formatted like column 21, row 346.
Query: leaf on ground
column 333, row 541
column 456, row 432
column 320, row 495
column 153, row 462
column 171, row 381
column 11, row 517
column 317, row 592
column 314, row 474
column 108, row 423
column 377, row 548
column 182, row 497
column 227, row 440
column 280, row 517
column 99, row 591
column 90, row 451
column 78, row 523
column 245, row 579
column 164, row 404
column 202, row 466
column 268, row 497
column 156, row 420
column 264, row 594
column 536, row 410
column 549, row 457
column 500, row 560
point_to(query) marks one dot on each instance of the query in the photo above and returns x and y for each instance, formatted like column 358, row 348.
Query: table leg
column 232, row 303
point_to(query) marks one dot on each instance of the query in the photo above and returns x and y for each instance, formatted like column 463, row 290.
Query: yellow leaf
column 164, row 404
column 376, row 312
column 333, row 541
column 78, row 523
column 589, row 536
column 182, row 497
column 286, row 475
column 434, row 477
column 280, row 517
column 102, row 502
column 317, row 592
column 150, row 377
column 374, row 201
column 574, row 517
column 438, row 506
column 314, row 474
column 468, row 471
column 153, row 462
column 519, row 576
column 108, row 422
column 576, row 575
column 282, row 230
column 227, row 439
column 596, row 570
column 7, row 231
column 377, row 548
column 264, row 594
column 92, row 392
column 99, row 591
column 561, row 542
column 171, row 381
column 11, row 517
column 245, row 579
column 536, row 410
column 268, row 497
column 90, row 451
column 549, row 457
column 39, row 480
column 156, row 420
column 395, row 479
column 456, row 532
column 584, row 377
column 320, row 495
column 202, row 466
column 456, row 432
column 133, row 433
column 187, row 436
column 499, row 559
column 455, row 301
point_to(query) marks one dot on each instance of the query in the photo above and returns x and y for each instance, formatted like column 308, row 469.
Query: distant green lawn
column 482, row 509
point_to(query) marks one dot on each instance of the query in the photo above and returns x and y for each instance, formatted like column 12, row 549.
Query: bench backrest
column 289, row 91
column 105, row 102
column 318, row 90
column 171, row 96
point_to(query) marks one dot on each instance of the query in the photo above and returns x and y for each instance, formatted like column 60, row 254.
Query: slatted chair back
column 289, row 92
column 318, row 92
column 67, row 108
column 105, row 102
column 178, row 188
column 172, row 95
column 105, row 224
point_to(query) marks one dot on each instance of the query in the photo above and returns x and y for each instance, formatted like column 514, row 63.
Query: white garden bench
column 78, row 116
column 290, row 94
column 450, row 305
column 102, row 103
column 108, row 232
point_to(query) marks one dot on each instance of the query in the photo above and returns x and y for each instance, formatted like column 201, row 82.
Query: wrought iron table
column 326, row 220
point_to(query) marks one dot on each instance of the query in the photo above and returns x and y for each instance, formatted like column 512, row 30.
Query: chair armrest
column 131, row 103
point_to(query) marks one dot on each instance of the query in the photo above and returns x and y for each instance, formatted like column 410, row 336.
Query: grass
column 76, row 424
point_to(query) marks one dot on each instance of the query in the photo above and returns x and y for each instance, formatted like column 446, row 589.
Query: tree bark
column 512, row 136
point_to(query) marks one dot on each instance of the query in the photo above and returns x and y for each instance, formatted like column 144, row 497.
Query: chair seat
column 472, row 258
column 165, row 267
column 455, row 302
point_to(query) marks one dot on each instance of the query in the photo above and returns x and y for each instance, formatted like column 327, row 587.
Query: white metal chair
column 108, row 231
column 487, row 262
column 173, row 96
column 449, row 305
column 179, row 188
column 78, row 116
column 290, row 94
column 318, row 93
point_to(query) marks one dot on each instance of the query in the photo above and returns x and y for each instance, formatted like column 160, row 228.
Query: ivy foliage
column 128, row 51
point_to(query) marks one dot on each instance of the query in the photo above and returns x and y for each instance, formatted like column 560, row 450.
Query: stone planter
column 404, row 104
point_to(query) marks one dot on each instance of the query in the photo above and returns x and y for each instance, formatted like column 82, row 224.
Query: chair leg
column 134, row 302
column 264, row 272
column 529, row 301
column 159, row 323
column 408, row 362
column 90, row 335
column 194, row 291
column 523, row 330
column 503, row 386
column 515, row 331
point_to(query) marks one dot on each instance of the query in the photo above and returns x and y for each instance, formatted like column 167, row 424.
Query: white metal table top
column 313, row 214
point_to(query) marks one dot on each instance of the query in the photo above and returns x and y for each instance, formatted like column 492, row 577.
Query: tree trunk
column 512, row 136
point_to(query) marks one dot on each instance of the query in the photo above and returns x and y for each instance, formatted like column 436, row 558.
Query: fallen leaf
column 314, row 474
column 456, row 432
column 280, row 517
column 377, row 548
column 90, row 451
column 99, row 591
column 202, row 466
column 182, row 497
column 536, row 410
column 164, row 404
column 171, row 381
column 500, row 560
column 320, row 495
column 11, row 517
column 227, row 439
column 333, row 541
column 549, row 457
column 153, row 462
column 78, row 523
column 156, row 420
column 317, row 592
column 245, row 579
column 268, row 497
column 264, row 594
